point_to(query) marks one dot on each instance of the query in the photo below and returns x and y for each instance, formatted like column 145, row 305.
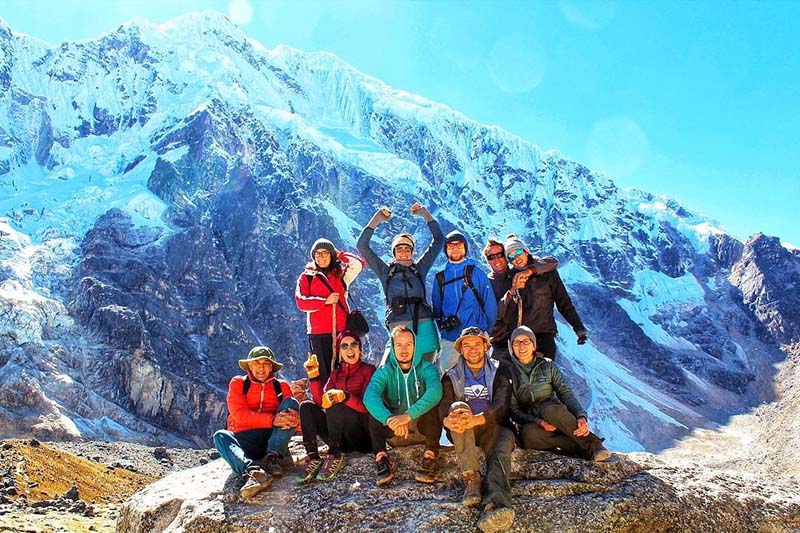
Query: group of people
column 476, row 361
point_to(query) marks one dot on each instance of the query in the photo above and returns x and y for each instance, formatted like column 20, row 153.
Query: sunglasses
column 348, row 345
column 492, row 257
column 516, row 253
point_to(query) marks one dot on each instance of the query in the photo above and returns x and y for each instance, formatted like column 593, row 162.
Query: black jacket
column 540, row 294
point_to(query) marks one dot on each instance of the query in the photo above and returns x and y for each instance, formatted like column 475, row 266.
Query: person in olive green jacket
column 543, row 405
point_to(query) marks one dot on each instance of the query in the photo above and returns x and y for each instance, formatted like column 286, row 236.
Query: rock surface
column 632, row 492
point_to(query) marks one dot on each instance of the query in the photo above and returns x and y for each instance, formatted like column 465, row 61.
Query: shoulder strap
column 328, row 285
column 468, row 282
column 246, row 385
column 278, row 389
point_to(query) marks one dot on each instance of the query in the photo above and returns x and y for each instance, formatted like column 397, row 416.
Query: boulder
column 632, row 492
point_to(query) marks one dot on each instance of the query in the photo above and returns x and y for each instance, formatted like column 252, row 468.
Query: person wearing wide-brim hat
column 263, row 416
column 474, row 410
column 403, row 279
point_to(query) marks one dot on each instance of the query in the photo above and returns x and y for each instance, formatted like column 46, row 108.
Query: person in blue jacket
column 402, row 399
column 462, row 297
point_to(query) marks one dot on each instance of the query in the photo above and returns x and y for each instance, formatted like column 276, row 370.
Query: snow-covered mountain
column 161, row 185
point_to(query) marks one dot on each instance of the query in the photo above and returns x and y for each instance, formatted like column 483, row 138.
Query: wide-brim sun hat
column 260, row 352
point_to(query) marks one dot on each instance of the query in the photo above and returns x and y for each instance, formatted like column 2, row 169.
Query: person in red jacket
column 263, row 416
column 344, row 423
column 320, row 288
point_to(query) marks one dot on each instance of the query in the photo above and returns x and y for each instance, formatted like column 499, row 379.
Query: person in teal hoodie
column 401, row 399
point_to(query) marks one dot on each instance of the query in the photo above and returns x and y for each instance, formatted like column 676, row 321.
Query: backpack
column 467, row 277
column 275, row 383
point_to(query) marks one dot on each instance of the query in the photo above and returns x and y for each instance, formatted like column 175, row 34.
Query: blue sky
column 696, row 100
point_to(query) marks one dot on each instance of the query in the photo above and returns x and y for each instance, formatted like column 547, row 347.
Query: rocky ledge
column 632, row 492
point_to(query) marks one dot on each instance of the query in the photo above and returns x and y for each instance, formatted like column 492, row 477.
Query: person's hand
column 419, row 210
column 401, row 431
column 398, row 420
column 332, row 298
column 520, row 279
column 455, row 421
column 286, row 419
column 583, row 428
column 335, row 396
column 547, row 426
column 382, row 214
column 312, row 366
column 583, row 337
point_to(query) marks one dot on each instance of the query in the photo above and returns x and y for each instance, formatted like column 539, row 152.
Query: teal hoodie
column 390, row 393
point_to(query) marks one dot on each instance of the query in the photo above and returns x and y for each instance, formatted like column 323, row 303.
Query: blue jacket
column 391, row 393
column 470, row 312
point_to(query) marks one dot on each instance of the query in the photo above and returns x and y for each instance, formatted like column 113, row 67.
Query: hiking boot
column 271, row 463
column 255, row 481
column 599, row 453
column 313, row 466
column 496, row 518
column 385, row 470
column 472, row 489
column 426, row 472
column 333, row 465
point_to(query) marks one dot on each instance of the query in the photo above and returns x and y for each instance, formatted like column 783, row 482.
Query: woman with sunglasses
column 529, row 301
column 337, row 413
column 321, row 292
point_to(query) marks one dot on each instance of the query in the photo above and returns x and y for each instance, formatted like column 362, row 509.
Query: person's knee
column 289, row 403
column 221, row 436
column 553, row 411
column 306, row 407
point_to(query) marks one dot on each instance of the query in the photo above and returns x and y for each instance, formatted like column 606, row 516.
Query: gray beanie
column 520, row 331
column 514, row 243
column 324, row 244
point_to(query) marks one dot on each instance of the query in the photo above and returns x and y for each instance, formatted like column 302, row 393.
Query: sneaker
column 255, row 481
column 496, row 518
column 313, row 466
column 333, row 465
column 426, row 473
column 385, row 470
column 271, row 463
column 472, row 489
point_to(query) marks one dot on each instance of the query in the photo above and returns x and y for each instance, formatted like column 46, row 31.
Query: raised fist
column 312, row 366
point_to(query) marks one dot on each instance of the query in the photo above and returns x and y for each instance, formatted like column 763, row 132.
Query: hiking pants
column 340, row 427
column 242, row 448
column 428, row 425
column 497, row 443
column 321, row 344
column 535, row 438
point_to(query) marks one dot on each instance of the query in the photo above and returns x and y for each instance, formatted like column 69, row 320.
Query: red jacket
column 311, row 292
column 257, row 410
column 353, row 379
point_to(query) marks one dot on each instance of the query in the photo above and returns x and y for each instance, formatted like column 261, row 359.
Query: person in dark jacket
column 502, row 274
column 403, row 279
column 462, row 297
column 337, row 413
column 474, row 408
column 549, row 414
column 530, row 301
column 321, row 289
column 402, row 399
column 262, row 418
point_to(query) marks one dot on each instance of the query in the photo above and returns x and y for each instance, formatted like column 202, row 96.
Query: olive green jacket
column 545, row 382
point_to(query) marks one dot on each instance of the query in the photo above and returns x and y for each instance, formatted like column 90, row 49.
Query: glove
column 583, row 337
column 332, row 397
column 312, row 366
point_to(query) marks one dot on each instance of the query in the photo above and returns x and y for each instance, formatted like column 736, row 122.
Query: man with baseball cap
column 263, row 416
column 474, row 406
